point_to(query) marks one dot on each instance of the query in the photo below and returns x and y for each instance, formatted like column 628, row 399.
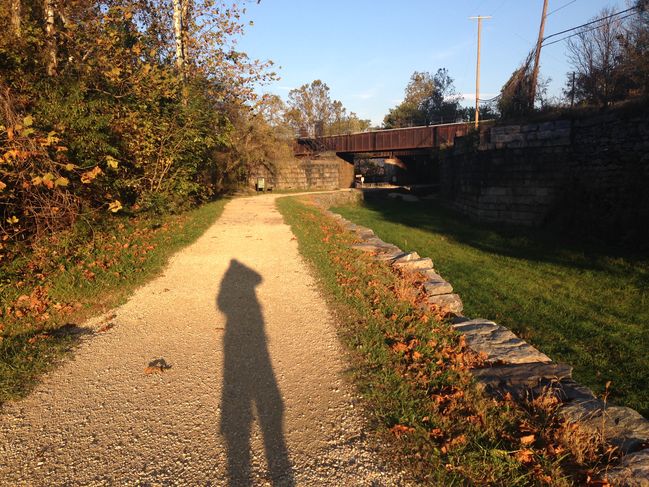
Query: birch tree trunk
column 186, row 13
column 50, row 32
column 179, row 36
column 16, row 19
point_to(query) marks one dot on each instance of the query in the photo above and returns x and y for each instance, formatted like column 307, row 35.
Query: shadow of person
column 249, row 382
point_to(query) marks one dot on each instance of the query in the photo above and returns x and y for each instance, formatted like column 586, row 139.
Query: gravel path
column 254, row 394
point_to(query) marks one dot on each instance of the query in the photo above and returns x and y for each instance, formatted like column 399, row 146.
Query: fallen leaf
column 399, row 430
column 105, row 327
column 525, row 456
column 527, row 440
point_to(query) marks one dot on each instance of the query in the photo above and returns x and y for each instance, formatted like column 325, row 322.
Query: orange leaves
column 89, row 176
column 114, row 206
column 454, row 443
column 527, row 440
column 50, row 181
column 37, row 338
column 400, row 430
column 105, row 327
column 593, row 482
column 16, row 154
column 525, row 456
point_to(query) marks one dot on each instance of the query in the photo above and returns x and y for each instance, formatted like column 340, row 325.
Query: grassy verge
column 580, row 304
column 413, row 372
column 77, row 274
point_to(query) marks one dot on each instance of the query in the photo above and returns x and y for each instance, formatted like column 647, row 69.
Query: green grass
column 47, row 293
column 412, row 372
column 579, row 303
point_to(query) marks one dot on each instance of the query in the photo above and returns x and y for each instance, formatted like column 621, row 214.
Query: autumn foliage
column 97, row 116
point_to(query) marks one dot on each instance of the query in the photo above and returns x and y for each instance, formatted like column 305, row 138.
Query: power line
column 590, row 23
column 562, row 7
column 583, row 31
column 489, row 100
column 499, row 6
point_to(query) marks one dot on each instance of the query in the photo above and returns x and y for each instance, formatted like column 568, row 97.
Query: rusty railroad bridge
column 404, row 143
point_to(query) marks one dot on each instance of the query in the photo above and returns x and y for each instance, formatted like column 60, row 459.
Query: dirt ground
column 245, row 385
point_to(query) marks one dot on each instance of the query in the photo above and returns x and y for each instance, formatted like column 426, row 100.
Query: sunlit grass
column 579, row 303
column 48, row 293
column 411, row 372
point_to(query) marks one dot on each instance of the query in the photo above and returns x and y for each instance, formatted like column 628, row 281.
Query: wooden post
column 572, row 91
column 537, row 55
column 477, row 71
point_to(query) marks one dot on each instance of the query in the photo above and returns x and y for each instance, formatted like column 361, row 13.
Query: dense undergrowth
column 45, row 294
column 413, row 372
column 100, row 114
column 580, row 303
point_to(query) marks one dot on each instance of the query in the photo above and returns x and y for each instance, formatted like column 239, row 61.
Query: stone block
column 407, row 257
column 364, row 233
column 633, row 470
column 498, row 343
column 529, row 127
column 523, row 380
column 374, row 247
column 431, row 275
column 415, row 265
column 449, row 302
column 621, row 426
column 390, row 255
column 434, row 288
column 572, row 392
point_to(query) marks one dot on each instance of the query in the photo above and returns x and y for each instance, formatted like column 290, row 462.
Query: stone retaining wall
column 513, row 365
column 307, row 174
column 590, row 174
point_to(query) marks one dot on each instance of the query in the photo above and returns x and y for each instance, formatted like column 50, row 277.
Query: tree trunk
column 179, row 36
column 50, row 32
column 16, row 17
column 187, row 7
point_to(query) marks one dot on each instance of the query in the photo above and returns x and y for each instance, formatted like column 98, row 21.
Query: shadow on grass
column 539, row 245
column 579, row 302
column 25, row 356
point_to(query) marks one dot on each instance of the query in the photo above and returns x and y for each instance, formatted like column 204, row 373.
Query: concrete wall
column 328, row 173
column 591, row 174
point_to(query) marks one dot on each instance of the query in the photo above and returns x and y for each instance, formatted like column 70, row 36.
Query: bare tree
column 635, row 45
column 594, row 54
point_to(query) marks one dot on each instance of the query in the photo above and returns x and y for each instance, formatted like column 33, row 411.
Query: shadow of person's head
column 237, row 286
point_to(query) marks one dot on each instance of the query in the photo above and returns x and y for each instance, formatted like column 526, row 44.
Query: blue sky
column 366, row 50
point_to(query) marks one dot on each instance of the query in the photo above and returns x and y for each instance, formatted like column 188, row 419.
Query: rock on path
column 254, row 394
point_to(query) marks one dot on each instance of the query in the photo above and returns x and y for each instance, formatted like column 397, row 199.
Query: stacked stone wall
column 304, row 174
column 591, row 173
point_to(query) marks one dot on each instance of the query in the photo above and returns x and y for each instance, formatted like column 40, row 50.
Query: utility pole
column 477, row 70
column 537, row 56
column 572, row 91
